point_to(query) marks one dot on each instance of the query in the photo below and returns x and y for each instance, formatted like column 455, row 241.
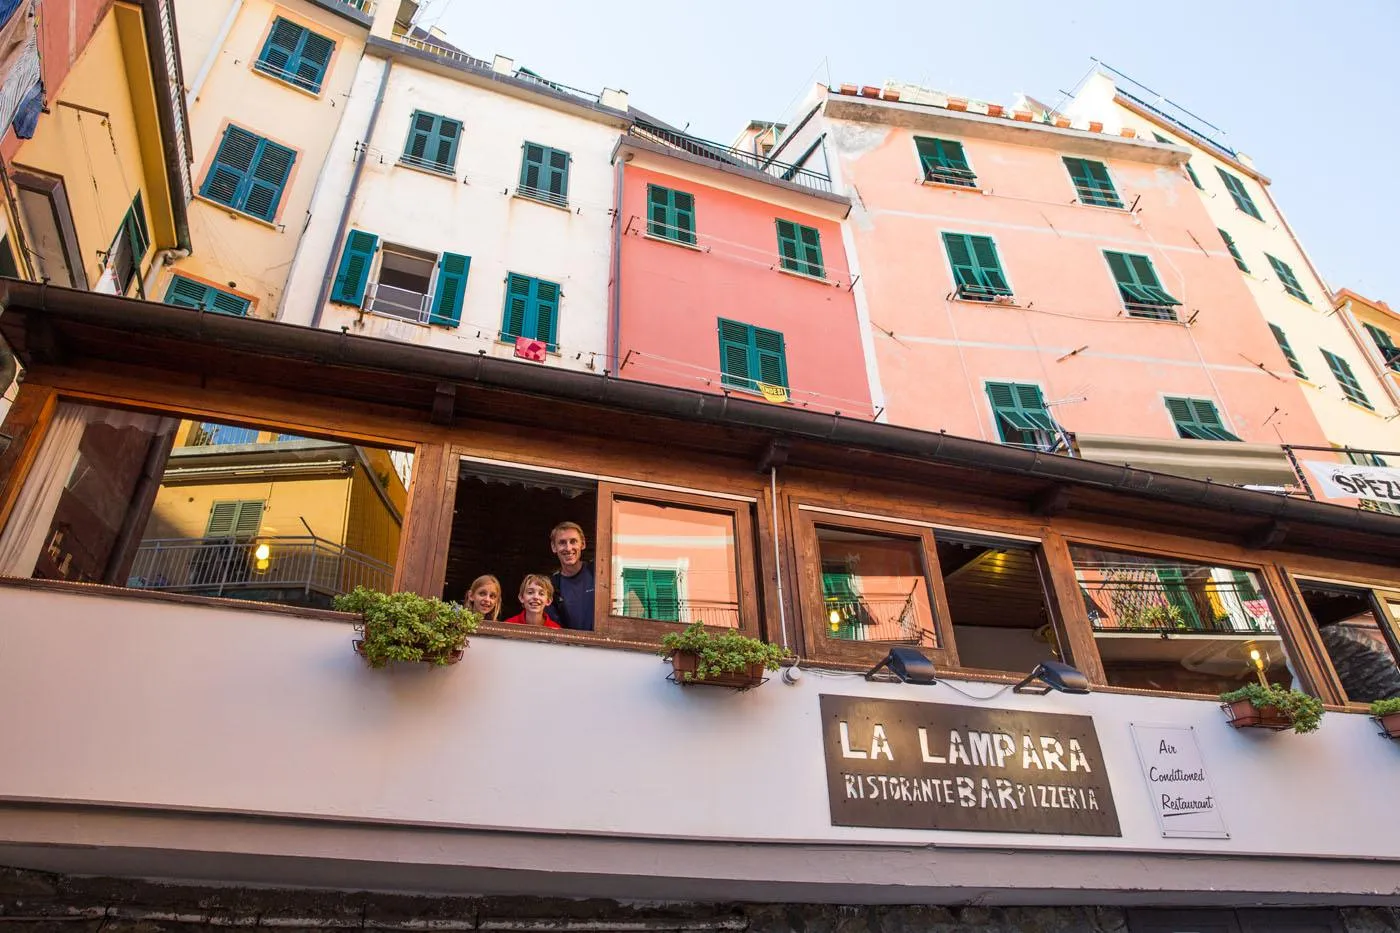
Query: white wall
column 471, row 213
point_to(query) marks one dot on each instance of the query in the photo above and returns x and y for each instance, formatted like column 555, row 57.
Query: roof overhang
column 1127, row 103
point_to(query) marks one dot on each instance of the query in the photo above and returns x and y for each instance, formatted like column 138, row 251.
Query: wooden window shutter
column 267, row 179
column 230, row 518
column 787, row 245
column 232, row 162
column 546, row 312
column 518, row 293
column 1288, row 353
column 769, row 360
column 1234, row 251
column 355, row 262
column 315, row 58
column 451, row 289
column 186, row 293
column 735, row 340
column 1239, row 193
column 421, row 130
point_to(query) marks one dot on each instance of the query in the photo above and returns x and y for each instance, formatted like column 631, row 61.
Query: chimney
column 502, row 65
column 617, row 100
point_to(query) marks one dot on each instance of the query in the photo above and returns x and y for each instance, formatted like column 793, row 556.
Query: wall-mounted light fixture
column 1053, row 675
column 910, row 666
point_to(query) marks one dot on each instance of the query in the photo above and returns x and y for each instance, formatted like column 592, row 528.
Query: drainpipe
column 615, row 312
column 350, row 198
column 214, row 51
column 777, row 553
column 163, row 259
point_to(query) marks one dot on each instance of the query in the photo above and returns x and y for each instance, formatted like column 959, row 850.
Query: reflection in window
column 874, row 587
column 1167, row 624
column 127, row 499
column 1000, row 618
column 674, row 564
column 1355, row 640
column 208, row 434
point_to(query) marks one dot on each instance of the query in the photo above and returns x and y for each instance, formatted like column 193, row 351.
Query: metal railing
column 452, row 55
column 718, row 152
column 366, row 7
column 1161, row 105
column 886, row 618
column 1132, row 598
column 232, row 566
column 718, row 614
column 401, row 303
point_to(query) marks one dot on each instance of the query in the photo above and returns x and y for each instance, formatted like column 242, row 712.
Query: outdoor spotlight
column 910, row 666
column 1053, row 675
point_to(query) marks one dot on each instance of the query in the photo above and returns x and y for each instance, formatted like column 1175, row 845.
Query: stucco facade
column 676, row 286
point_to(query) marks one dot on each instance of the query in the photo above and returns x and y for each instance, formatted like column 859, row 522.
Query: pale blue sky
column 1306, row 88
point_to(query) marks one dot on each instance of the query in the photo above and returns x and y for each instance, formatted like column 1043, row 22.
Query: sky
column 1304, row 88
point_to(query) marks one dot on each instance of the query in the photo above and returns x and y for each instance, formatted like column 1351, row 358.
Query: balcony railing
column 1129, row 599
column 874, row 618
column 296, row 568
column 717, row 614
column 718, row 152
column 401, row 303
column 441, row 51
column 366, row 7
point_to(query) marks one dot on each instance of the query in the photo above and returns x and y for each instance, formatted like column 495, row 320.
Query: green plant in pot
column 1273, row 706
column 728, row 659
column 1387, row 713
column 408, row 627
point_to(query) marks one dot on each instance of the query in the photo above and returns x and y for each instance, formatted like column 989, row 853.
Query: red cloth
column 519, row 619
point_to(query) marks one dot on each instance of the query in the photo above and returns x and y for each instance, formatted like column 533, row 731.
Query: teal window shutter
column 187, row 293
column 1288, row 353
column 1287, row 278
column 1194, row 180
column 451, row 289
column 1139, row 287
column 749, row 355
column 232, row 162
column 670, row 214
column 296, row 55
column 1020, row 414
column 944, row 161
column 1234, row 252
column 651, row 593
column 531, row 310
column 267, row 179
column 353, row 274
column 976, row 266
column 249, row 173
column 137, row 233
column 1197, row 418
column 544, row 174
column 1092, row 183
column 800, row 249
column 432, row 141
column 1389, row 352
column 234, row 518
column 1351, row 388
column 1238, row 191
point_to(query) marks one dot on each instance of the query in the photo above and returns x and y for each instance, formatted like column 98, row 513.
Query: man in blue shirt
column 573, row 581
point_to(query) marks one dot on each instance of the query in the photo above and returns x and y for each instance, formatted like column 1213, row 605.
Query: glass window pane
column 1168, row 624
column 674, row 563
column 874, row 588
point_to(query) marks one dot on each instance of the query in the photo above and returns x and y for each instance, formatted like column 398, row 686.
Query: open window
column 1358, row 629
column 152, row 501
column 1163, row 623
column 47, row 221
column 404, row 286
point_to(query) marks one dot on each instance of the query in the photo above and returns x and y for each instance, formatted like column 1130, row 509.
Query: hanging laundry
column 20, row 72
column 7, row 9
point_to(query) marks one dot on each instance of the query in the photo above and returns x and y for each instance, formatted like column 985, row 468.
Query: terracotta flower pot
column 1245, row 715
column 995, row 110
column 957, row 103
column 869, row 91
column 1390, row 724
column 890, row 94
column 1062, row 122
column 848, row 89
column 1095, row 126
column 1127, row 132
column 684, row 664
column 1023, row 116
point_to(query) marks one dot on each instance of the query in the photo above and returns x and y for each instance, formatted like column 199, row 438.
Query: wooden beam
column 422, row 558
column 1266, row 536
column 41, row 342
column 774, row 455
column 1050, row 501
column 444, row 403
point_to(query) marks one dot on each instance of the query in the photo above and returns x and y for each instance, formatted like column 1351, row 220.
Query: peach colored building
column 732, row 277
column 1051, row 286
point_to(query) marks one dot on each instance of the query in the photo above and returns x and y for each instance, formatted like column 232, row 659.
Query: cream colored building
column 1333, row 369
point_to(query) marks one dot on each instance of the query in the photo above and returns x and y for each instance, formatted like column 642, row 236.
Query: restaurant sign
column 902, row 765
column 1347, row 481
column 1177, row 782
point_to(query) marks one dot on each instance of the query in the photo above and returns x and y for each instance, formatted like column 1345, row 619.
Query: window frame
column 992, row 293
column 1377, row 592
column 802, row 264
column 927, row 172
column 434, row 138
column 288, row 75
column 1115, row 202
column 244, row 188
column 544, row 195
column 672, row 233
column 53, row 189
column 1346, row 379
column 1239, row 194
column 740, row 511
column 1146, row 311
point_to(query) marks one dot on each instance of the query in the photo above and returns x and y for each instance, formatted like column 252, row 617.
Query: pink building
column 733, row 277
column 1053, row 287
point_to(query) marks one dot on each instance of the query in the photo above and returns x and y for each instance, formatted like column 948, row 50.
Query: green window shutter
column 735, row 354
column 787, row 244
column 1287, row 278
column 1347, row 379
column 137, row 233
column 1288, row 353
column 800, row 249
column 232, row 162
column 355, row 262
column 1179, row 595
column 670, row 214
column 1194, row 180
column 944, row 161
column 422, row 129
column 280, row 50
column 1241, row 194
column 517, row 305
column 228, row 303
column 769, row 357
column 266, row 180
column 656, row 590
column 1197, row 418
column 231, row 518
column 976, row 266
column 316, row 51
column 1389, row 352
column 546, row 312
column 451, row 289
column 544, row 174
column 1092, row 183
column 187, row 293
column 1020, row 413
column 1139, row 287
column 1234, row 252
column 532, row 310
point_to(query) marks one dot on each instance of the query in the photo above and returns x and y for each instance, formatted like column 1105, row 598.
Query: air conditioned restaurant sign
column 904, row 765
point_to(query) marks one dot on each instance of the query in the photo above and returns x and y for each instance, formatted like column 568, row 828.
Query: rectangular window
column 532, row 310
column 187, row 293
column 1358, row 631
column 674, row 563
column 1234, row 251
column 976, row 267
column 1238, row 191
column 997, row 603
column 249, row 173
column 1341, row 369
column 800, row 249
column 1021, row 416
column 296, row 55
column 1287, row 278
column 432, row 142
column 413, row 284
column 670, row 214
column 1138, row 286
column 235, row 518
column 1091, row 182
column 750, row 357
column 874, row 587
column 944, row 161
column 1197, row 418
column 128, row 248
column 1170, row 624
column 47, row 221
column 544, row 174
column 1288, row 353
column 1389, row 351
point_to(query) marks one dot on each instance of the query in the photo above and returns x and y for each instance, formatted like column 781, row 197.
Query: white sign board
column 1345, row 481
column 1182, row 798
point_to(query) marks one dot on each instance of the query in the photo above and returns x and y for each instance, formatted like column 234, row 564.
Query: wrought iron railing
column 633, row 605
column 232, row 567
column 1132, row 598
column 402, row 303
column 718, row 152
column 886, row 618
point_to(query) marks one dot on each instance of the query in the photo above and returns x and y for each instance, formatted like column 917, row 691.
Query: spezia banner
column 1345, row 481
